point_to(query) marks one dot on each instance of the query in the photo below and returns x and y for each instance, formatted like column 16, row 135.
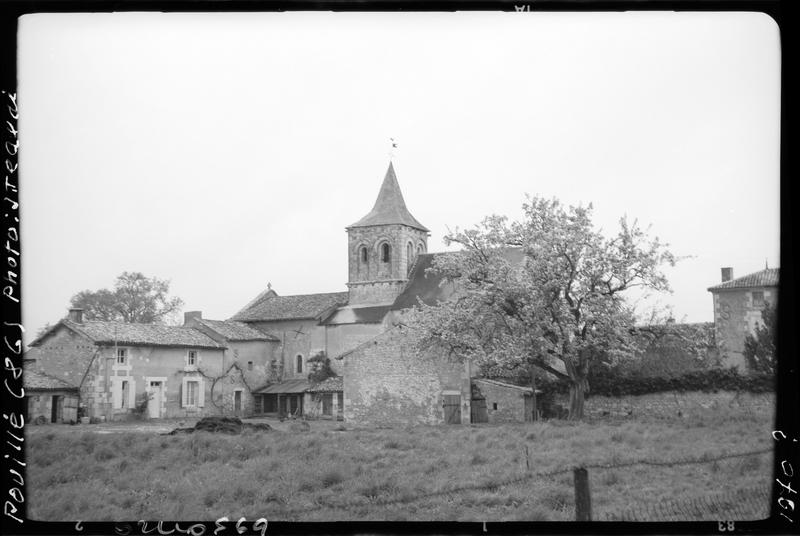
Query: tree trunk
column 533, row 394
column 576, row 396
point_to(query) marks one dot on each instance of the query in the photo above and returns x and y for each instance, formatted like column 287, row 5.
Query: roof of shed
column 273, row 307
column 236, row 331
column 497, row 383
column 289, row 386
column 33, row 379
column 390, row 207
column 102, row 332
column 765, row 278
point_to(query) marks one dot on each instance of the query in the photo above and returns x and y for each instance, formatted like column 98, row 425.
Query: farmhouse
column 166, row 371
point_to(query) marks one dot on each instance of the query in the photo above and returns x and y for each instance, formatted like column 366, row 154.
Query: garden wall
column 671, row 403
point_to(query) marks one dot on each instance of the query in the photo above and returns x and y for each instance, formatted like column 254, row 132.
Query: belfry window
column 299, row 359
column 362, row 253
column 386, row 253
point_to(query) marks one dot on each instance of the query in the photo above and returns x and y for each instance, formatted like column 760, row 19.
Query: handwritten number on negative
column 726, row 526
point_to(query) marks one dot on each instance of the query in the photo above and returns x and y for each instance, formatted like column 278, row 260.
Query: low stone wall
column 671, row 403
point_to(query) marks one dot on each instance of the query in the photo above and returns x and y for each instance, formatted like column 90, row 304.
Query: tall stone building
column 737, row 310
column 382, row 247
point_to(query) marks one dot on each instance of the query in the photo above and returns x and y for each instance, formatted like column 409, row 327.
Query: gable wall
column 385, row 382
column 65, row 355
column 735, row 318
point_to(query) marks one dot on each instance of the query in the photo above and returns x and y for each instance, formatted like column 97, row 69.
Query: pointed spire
column 390, row 207
column 766, row 264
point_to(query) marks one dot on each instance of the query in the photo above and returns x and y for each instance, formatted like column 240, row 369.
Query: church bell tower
column 382, row 247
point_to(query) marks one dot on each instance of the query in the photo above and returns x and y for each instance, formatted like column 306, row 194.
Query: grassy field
column 389, row 474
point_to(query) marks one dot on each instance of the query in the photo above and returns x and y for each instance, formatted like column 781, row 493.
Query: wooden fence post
column 583, row 499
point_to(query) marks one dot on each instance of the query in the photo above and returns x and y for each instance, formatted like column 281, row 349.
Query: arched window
column 409, row 255
column 362, row 254
column 420, row 248
column 299, row 363
column 386, row 253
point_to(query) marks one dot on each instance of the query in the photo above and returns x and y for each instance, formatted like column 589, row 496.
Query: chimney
column 76, row 315
column 190, row 316
column 727, row 274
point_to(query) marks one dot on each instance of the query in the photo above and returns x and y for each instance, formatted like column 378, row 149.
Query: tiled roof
column 101, row 332
column 358, row 315
column 326, row 386
column 289, row 386
column 432, row 287
column 390, row 207
column 765, row 278
column 506, row 385
column 291, row 307
column 33, row 379
column 236, row 331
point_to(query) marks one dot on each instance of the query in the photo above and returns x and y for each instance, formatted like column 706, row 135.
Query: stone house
column 738, row 303
column 165, row 371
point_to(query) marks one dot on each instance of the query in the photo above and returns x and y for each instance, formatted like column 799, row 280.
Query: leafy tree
column 542, row 293
column 759, row 348
column 320, row 368
column 135, row 298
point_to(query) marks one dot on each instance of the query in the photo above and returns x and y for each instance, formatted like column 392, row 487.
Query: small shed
column 495, row 401
column 49, row 399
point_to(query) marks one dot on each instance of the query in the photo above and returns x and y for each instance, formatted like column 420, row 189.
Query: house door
column 237, row 402
column 55, row 408
column 452, row 409
column 154, row 402
column 530, row 410
column 327, row 404
column 478, row 411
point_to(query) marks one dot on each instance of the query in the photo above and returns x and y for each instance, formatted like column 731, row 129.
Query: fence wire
column 743, row 503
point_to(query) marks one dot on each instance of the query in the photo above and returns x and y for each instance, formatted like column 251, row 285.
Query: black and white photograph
column 457, row 266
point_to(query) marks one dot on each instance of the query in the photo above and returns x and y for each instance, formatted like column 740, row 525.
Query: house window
column 249, row 365
column 191, row 358
column 125, row 394
column 122, row 356
column 386, row 253
column 758, row 298
column 192, row 389
column 494, row 405
column 299, row 363
column 363, row 254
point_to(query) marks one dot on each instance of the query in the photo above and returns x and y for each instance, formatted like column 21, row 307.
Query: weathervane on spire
column 394, row 146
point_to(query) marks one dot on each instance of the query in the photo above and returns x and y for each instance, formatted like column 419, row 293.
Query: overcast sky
column 223, row 152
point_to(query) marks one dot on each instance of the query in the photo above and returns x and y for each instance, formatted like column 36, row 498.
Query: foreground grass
column 325, row 475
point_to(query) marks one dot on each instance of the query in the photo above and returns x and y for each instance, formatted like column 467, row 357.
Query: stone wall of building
column 735, row 317
column 387, row 383
column 40, row 404
column 503, row 404
column 65, row 355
